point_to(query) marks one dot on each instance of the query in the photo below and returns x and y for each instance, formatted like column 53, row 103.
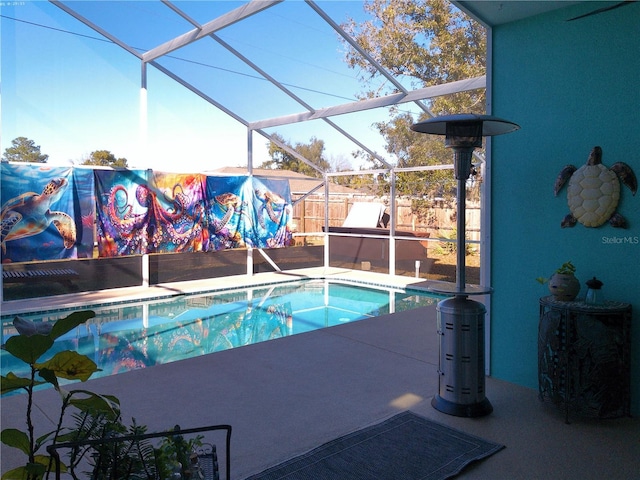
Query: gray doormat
column 404, row 447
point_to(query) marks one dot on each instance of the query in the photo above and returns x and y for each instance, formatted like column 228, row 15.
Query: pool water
column 124, row 337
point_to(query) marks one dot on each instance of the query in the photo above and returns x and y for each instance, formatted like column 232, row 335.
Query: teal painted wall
column 571, row 86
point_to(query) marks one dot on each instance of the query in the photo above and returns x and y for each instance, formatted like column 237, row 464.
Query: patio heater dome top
column 491, row 125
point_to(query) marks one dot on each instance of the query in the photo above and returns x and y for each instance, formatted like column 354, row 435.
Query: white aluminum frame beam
column 214, row 25
column 368, row 104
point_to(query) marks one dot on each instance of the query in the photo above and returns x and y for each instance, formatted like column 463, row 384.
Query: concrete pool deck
column 289, row 395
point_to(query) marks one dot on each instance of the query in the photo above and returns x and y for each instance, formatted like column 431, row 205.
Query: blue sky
column 73, row 93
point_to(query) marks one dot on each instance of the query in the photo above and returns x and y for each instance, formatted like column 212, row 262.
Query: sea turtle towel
column 48, row 213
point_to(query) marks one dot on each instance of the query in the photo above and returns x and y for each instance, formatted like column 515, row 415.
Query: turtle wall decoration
column 594, row 191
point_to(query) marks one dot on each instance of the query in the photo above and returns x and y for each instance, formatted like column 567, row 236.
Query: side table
column 584, row 357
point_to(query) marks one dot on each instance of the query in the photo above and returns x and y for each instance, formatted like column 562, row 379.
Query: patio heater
column 461, row 382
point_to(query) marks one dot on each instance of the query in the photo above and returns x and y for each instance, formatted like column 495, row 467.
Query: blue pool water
column 124, row 337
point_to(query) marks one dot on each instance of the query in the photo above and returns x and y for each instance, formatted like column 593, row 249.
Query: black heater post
column 461, row 382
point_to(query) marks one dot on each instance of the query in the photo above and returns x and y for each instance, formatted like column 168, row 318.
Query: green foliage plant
column 450, row 248
column 175, row 450
column 31, row 344
column 567, row 268
column 112, row 449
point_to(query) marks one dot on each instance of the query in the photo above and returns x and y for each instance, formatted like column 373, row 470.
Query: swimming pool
column 129, row 336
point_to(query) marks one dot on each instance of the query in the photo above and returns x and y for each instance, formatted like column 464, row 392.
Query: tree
column 283, row 160
column 24, row 150
column 104, row 158
column 427, row 42
column 340, row 163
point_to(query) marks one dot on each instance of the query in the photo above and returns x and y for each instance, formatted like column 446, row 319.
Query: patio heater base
column 461, row 370
column 461, row 410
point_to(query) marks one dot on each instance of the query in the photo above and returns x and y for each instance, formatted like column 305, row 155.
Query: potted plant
column 33, row 341
column 563, row 284
column 113, row 450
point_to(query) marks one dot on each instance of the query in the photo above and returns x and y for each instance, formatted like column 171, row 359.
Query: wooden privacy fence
column 438, row 218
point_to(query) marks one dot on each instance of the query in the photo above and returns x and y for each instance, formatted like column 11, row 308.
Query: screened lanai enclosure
column 254, row 141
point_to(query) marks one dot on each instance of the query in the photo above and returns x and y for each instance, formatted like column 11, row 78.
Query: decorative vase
column 564, row 287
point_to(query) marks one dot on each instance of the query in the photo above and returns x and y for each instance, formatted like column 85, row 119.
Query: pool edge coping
column 109, row 297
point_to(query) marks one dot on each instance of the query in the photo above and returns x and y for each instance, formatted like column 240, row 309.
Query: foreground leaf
column 96, row 403
column 70, row 322
column 42, row 439
column 30, row 470
column 71, row 436
column 16, row 438
column 29, row 328
column 49, row 376
column 19, row 473
column 12, row 382
column 70, row 365
column 28, row 349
